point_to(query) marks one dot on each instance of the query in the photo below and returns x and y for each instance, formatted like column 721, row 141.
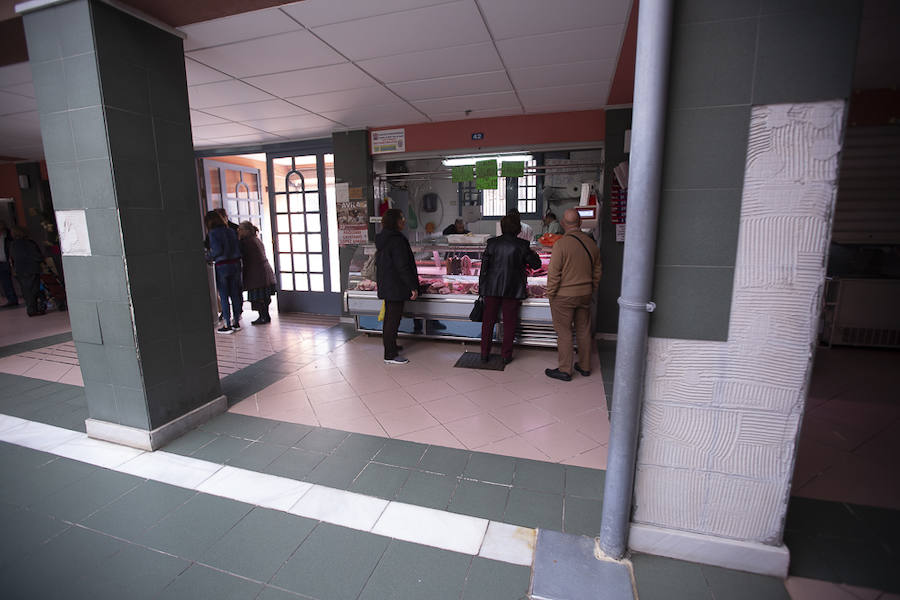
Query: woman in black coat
column 258, row 276
column 397, row 279
column 503, row 283
column 27, row 260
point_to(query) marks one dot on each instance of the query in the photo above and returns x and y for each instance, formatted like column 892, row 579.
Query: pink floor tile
column 297, row 415
column 389, row 400
column 468, row 380
column 883, row 448
column 409, row 374
column 857, row 481
column 368, row 425
column 47, row 370
column 321, row 363
column 430, row 390
column 405, row 420
column 478, row 430
column 378, row 382
column 813, row 459
column 288, row 384
column 495, row 396
column 530, row 388
column 592, row 459
column 514, row 446
column 566, row 404
column 435, row 436
column 73, row 377
column 16, row 365
column 246, row 407
column 452, row 408
column 317, row 377
column 800, row 588
column 840, row 436
column 508, row 375
column 287, row 400
column 593, row 423
column 522, row 417
column 559, row 441
column 345, row 409
column 330, row 392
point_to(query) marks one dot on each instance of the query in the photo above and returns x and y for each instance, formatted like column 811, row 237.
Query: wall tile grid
column 721, row 419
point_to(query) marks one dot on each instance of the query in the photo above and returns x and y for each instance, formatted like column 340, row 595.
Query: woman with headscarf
column 259, row 278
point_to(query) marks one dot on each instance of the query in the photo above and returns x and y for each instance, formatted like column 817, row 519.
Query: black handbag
column 477, row 310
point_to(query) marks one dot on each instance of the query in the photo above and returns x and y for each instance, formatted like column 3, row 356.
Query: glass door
column 236, row 189
column 305, row 255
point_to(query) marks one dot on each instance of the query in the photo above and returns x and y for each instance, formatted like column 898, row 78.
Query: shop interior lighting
column 456, row 161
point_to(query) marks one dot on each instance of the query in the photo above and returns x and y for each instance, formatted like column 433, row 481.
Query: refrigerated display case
column 448, row 287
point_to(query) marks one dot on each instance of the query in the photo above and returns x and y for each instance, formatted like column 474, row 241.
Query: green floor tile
column 539, row 476
column 190, row 442
column 358, row 444
column 202, row 582
column 446, row 461
column 85, row 496
column 400, row 453
column 534, row 509
column 294, row 463
column 286, row 434
column 139, row 509
column 222, row 449
column 420, row 572
column 478, row 499
column 427, row 489
column 494, row 580
column 737, row 585
column 243, row 426
column 660, row 578
column 491, row 468
column 257, row 456
column 583, row 516
column 337, row 471
column 194, row 526
column 322, row 440
column 271, row 593
column 586, row 483
column 259, row 544
column 24, row 531
column 135, row 573
column 381, row 481
column 333, row 563
column 36, row 484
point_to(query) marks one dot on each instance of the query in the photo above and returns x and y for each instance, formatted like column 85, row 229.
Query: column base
column 159, row 437
column 752, row 557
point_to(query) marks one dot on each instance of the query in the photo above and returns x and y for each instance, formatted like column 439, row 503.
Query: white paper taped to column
column 73, row 233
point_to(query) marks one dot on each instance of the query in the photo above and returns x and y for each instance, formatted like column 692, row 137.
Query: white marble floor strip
column 421, row 525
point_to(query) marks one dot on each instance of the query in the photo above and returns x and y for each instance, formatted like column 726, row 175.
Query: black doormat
column 472, row 360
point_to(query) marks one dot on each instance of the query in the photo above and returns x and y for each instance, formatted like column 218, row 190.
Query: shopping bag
column 477, row 310
column 381, row 312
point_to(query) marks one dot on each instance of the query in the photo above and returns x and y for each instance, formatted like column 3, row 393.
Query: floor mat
column 472, row 360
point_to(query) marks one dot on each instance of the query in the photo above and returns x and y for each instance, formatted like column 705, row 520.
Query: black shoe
column 507, row 360
column 260, row 321
column 582, row 371
column 557, row 374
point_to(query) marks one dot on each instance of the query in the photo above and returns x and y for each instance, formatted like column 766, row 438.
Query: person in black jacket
column 28, row 262
column 397, row 279
column 502, row 282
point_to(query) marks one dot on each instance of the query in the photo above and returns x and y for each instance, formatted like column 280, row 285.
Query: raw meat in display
column 367, row 285
column 536, row 290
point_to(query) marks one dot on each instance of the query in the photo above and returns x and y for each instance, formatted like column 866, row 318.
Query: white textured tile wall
column 721, row 419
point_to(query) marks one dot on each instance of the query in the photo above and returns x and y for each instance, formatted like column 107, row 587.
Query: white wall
column 721, row 419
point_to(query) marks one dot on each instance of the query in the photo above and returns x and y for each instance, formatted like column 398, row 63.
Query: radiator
column 865, row 312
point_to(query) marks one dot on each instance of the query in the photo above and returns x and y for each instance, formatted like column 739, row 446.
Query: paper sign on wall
column 388, row 140
column 352, row 216
column 73, row 233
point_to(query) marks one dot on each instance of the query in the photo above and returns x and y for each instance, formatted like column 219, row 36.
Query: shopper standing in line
column 28, row 262
column 397, row 279
column 259, row 278
column 572, row 279
column 6, row 283
column 525, row 230
column 503, row 282
column 225, row 252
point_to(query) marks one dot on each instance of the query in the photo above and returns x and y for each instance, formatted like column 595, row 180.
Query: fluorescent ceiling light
column 515, row 157
column 456, row 161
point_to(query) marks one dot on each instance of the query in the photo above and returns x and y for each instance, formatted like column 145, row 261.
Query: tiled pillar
column 112, row 97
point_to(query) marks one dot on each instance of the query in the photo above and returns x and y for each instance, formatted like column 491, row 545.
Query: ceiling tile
column 198, row 74
column 15, row 73
column 373, row 116
column 458, row 85
column 439, row 26
column 477, row 114
column 567, row 74
column 236, row 28
column 562, row 106
column 21, row 124
column 307, row 132
column 201, row 118
column 224, row 93
column 458, row 60
column 256, row 110
column 589, row 44
column 529, row 17
column 332, row 101
column 273, row 54
column 295, row 122
column 239, row 140
column 14, row 103
column 475, row 102
column 317, row 80
column 312, row 13
column 209, row 132
column 591, row 92
column 22, row 89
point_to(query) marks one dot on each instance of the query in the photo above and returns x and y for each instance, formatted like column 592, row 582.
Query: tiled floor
column 17, row 326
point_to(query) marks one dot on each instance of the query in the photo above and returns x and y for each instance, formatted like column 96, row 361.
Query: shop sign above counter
column 389, row 140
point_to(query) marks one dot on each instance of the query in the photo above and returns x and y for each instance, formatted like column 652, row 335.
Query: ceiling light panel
column 567, row 74
column 256, row 110
column 313, row 13
column 273, row 54
column 596, row 43
column 439, row 26
column 458, row 85
column 236, row 28
column 456, row 103
column 332, row 78
column 198, row 74
column 332, row 101
column 224, row 93
column 530, row 17
column 442, row 62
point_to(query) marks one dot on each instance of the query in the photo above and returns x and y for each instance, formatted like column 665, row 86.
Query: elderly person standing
column 397, row 279
column 572, row 279
column 259, row 278
column 28, row 262
column 503, row 283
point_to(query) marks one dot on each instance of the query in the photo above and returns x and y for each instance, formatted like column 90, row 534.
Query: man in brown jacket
column 572, row 280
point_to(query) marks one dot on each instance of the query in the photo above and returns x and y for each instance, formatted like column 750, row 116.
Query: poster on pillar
column 352, row 215
column 73, row 233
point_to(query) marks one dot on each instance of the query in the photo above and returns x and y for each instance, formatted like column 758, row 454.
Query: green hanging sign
column 512, row 168
column 486, row 174
column 463, row 174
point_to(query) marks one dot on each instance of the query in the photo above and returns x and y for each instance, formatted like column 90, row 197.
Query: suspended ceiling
column 306, row 69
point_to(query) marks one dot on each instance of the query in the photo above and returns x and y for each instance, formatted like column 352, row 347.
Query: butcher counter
column 448, row 287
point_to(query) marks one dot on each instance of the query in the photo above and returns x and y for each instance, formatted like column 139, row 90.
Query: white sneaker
column 397, row 360
column 237, row 326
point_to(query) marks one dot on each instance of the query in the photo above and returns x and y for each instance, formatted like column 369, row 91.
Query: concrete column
column 112, row 98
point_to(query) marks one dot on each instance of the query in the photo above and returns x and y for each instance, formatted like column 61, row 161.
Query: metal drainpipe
column 644, row 181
